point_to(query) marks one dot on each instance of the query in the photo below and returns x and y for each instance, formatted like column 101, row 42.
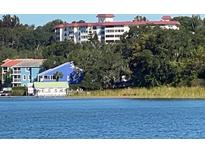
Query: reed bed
column 156, row 92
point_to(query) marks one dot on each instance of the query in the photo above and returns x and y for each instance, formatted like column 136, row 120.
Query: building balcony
column 17, row 80
column 16, row 72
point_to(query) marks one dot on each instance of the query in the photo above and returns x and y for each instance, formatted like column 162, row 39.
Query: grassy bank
column 158, row 92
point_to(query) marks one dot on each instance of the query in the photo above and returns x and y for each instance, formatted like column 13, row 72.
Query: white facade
column 50, row 88
column 50, row 91
column 107, row 30
column 105, row 34
column 30, row 89
column 174, row 27
column 114, row 33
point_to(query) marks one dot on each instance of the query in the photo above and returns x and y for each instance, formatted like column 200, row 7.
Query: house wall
column 34, row 73
column 28, row 75
column 65, row 69
column 51, row 92
column 25, row 76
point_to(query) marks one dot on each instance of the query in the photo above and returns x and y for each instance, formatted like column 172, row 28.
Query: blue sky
column 41, row 19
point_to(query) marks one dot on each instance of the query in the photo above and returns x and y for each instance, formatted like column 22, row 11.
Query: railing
column 16, row 72
column 17, row 80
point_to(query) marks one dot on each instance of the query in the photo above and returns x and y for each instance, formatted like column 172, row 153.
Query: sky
column 42, row 19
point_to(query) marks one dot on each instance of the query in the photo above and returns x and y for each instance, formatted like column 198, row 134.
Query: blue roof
column 70, row 73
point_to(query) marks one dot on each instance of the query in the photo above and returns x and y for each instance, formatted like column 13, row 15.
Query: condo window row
column 108, row 36
column 117, row 30
column 85, row 30
column 18, row 77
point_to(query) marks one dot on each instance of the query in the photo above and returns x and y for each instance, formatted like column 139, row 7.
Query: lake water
column 101, row 118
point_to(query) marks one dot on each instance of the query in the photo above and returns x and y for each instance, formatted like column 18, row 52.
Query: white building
column 106, row 28
column 50, row 88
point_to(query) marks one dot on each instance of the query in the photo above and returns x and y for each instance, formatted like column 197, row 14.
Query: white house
column 50, row 88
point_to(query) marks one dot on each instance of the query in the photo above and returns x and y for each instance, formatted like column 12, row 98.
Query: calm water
column 101, row 118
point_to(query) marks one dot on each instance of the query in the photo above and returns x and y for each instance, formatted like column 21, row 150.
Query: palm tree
column 10, row 21
column 140, row 18
column 196, row 22
column 58, row 75
column 15, row 21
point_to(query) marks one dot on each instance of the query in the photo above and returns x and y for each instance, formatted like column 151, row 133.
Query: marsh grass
column 157, row 92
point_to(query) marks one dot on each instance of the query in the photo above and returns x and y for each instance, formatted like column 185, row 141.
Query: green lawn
column 158, row 92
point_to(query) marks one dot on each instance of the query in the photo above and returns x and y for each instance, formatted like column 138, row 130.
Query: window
column 5, row 68
column 102, row 32
column 70, row 32
column 24, row 77
column 119, row 26
column 109, row 41
column 118, row 35
column 16, row 69
column 109, row 26
column 110, row 31
column 118, row 30
column 84, row 37
column 109, row 36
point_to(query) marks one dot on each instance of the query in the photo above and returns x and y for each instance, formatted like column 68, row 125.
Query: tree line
column 146, row 56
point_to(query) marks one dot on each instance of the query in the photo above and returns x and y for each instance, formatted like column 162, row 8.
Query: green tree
column 58, row 75
column 162, row 57
column 10, row 21
column 140, row 18
column 102, row 67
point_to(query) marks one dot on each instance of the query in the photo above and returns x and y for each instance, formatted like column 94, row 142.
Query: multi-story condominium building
column 21, row 71
column 106, row 29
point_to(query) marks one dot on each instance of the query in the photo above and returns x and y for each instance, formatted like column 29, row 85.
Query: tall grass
column 157, row 92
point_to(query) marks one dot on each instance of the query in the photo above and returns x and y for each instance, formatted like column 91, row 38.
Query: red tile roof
column 166, row 18
column 5, row 60
column 105, row 15
column 118, row 23
column 10, row 63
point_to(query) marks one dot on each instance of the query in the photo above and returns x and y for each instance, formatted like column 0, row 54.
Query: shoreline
column 104, row 97
column 145, row 93
column 133, row 93
column 130, row 97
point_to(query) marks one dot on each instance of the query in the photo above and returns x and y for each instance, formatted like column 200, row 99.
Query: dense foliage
column 19, row 91
column 18, row 40
column 145, row 57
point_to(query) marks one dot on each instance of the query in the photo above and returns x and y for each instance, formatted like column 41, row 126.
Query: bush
column 198, row 83
column 19, row 91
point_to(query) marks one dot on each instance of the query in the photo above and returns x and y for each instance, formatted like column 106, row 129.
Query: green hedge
column 19, row 91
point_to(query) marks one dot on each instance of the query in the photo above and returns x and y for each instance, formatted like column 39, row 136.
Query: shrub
column 19, row 91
